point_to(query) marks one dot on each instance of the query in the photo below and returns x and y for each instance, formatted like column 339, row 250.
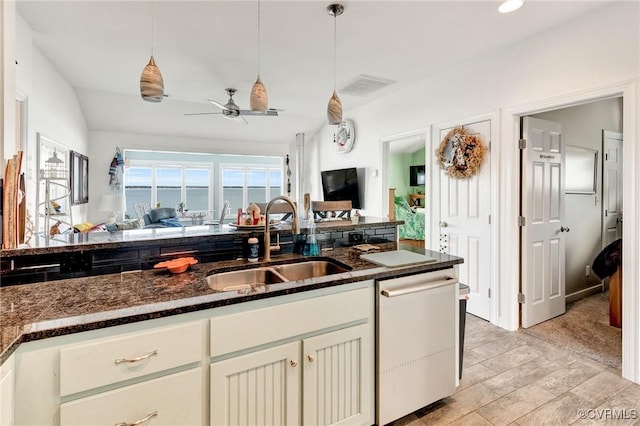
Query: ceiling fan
column 232, row 111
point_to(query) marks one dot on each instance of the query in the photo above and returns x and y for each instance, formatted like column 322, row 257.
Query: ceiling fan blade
column 202, row 113
column 218, row 104
column 240, row 120
column 268, row 113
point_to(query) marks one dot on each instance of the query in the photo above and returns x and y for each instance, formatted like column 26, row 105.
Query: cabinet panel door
column 338, row 377
column 260, row 388
column 175, row 399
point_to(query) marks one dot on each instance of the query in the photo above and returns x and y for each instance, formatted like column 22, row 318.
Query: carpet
column 585, row 329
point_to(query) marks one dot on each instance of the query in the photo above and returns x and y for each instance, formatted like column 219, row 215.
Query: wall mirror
column 581, row 170
column 79, row 178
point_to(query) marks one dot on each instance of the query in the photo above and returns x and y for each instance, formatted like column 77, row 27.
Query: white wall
column 53, row 110
column 582, row 126
column 103, row 147
column 599, row 48
column 584, row 56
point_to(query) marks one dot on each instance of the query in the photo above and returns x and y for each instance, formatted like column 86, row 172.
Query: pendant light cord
column 259, row 50
column 335, row 47
column 152, row 28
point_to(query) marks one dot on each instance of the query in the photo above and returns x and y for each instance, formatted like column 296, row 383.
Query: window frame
column 244, row 168
column 182, row 165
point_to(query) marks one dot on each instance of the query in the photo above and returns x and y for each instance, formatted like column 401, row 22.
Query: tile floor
column 514, row 378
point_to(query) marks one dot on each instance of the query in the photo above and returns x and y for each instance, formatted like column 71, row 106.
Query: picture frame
column 79, row 178
column 581, row 170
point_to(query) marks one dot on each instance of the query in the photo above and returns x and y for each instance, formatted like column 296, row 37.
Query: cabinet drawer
column 244, row 330
column 111, row 360
column 176, row 399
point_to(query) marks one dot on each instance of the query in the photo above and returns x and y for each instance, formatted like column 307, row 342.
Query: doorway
column 577, row 230
column 404, row 157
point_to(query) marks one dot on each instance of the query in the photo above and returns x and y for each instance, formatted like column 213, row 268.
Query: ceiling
column 203, row 47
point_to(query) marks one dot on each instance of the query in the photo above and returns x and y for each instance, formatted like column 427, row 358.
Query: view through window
column 202, row 182
column 245, row 185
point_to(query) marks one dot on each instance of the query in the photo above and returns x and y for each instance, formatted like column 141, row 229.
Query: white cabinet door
column 260, row 388
column 171, row 400
column 6, row 393
column 338, row 378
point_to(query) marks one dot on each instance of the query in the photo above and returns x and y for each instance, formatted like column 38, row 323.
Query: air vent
column 364, row 85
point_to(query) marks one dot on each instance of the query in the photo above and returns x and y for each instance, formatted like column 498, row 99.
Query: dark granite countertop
column 37, row 311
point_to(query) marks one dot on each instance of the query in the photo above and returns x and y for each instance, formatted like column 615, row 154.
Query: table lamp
column 112, row 204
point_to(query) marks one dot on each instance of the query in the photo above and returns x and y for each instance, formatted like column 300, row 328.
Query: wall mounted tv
column 416, row 175
column 340, row 185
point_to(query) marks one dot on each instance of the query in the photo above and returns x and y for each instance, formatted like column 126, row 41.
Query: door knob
column 293, row 363
column 564, row 229
column 443, row 224
column 311, row 358
column 619, row 220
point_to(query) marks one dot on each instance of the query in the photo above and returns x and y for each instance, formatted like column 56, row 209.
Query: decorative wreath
column 460, row 154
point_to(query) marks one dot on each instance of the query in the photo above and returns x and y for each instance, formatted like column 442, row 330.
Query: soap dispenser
column 311, row 247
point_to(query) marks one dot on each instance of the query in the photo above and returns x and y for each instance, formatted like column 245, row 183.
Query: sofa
column 162, row 217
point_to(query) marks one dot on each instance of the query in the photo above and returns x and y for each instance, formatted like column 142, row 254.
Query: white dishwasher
column 416, row 342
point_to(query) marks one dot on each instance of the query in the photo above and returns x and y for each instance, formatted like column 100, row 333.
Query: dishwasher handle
column 416, row 288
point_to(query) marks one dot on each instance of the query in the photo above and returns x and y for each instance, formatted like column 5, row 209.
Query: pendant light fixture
column 259, row 101
column 334, row 108
column 151, row 83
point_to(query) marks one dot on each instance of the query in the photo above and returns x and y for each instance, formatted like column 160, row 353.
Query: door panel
column 465, row 231
column 260, row 388
column 542, row 237
column 611, row 187
column 338, row 378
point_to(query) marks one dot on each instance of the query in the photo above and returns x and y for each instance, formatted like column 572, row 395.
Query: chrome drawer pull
column 139, row 422
column 136, row 359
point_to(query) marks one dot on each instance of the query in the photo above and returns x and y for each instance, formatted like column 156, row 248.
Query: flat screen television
column 416, row 175
column 340, row 185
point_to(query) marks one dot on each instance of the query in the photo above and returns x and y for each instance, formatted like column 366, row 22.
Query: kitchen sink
column 309, row 269
column 245, row 279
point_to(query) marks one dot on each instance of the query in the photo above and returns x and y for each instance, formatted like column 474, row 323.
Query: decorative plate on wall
column 344, row 136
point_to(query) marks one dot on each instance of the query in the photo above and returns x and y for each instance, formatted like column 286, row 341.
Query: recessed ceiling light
column 510, row 5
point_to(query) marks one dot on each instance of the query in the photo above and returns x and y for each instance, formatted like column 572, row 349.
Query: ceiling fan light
column 259, row 101
column 334, row 109
column 151, row 83
column 510, row 6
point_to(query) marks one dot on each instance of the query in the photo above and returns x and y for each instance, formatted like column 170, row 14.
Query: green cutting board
column 396, row 258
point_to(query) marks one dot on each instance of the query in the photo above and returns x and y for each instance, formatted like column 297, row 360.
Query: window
column 169, row 185
column 243, row 185
column 170, row 178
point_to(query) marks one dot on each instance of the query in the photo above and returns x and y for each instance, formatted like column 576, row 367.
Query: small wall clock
column 344, row 136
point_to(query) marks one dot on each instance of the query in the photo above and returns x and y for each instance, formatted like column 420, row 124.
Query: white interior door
column 543, row 233
column 611, row 187
column 465, row 224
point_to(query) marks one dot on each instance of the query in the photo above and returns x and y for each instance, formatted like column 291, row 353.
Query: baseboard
column 583, row 293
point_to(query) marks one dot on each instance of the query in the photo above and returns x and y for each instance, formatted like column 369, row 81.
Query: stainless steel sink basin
column 243, row 279
column 309, row 269
column 247, row 279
